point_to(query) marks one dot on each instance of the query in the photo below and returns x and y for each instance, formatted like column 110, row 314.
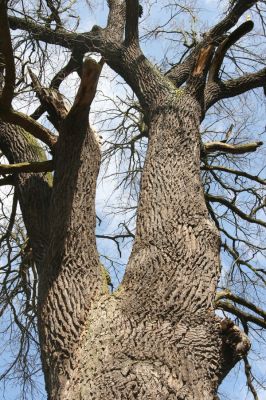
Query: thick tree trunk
column 157, row 336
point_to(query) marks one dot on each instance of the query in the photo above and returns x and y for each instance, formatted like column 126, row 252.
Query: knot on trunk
column 235, row 345
column 234, row 338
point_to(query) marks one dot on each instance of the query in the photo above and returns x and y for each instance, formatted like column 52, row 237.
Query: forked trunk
column 156, row 337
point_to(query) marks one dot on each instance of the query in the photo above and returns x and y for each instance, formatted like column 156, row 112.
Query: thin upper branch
column 7, row 51
column 249, row 378
column 234, row 171
column 74, row 65
column 226, row 294
column 233, row 208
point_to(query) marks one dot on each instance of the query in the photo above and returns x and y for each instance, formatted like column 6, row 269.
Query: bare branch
column 227, row 306
column 230, row 20
column 74, row 64
column 211, row 147
column 233, row 171
column 91, row 71
column 242, row 30
column 8, row 180
column 51, row 99
column 180, row 72
column 249, row 377
column 216, row 91
column 30, row 125
column 226, row 294
column 37, row 166
column 45, row 34
column 233, row 208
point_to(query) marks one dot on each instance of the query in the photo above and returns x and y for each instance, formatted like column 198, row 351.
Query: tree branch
column 180, row 72
column 30, row 125
column 249, row 377
column 233, row 171
column 91, row 71
column 45, row 34
column 233, row 208
column 8, row 180
column 51, row 100
column 34, row 166
column 227, row 306
column 74, row 65
column 216, row 91
column 116, row 19
column 211, row 147
column 226, row 294
column 231, row 18
column 239, row 261
column 7, row 51
column 38, row 112
column 242, row 30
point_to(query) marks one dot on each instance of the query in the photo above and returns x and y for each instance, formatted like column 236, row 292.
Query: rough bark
column 34, row 190
column 157, row 336
column 72, row 273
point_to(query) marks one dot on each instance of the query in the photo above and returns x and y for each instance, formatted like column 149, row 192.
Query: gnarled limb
column 235, row 346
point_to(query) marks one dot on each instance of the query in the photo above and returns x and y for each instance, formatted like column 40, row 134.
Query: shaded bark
column 34, row 190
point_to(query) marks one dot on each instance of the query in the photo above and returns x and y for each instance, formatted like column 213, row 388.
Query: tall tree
column 157, row 336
